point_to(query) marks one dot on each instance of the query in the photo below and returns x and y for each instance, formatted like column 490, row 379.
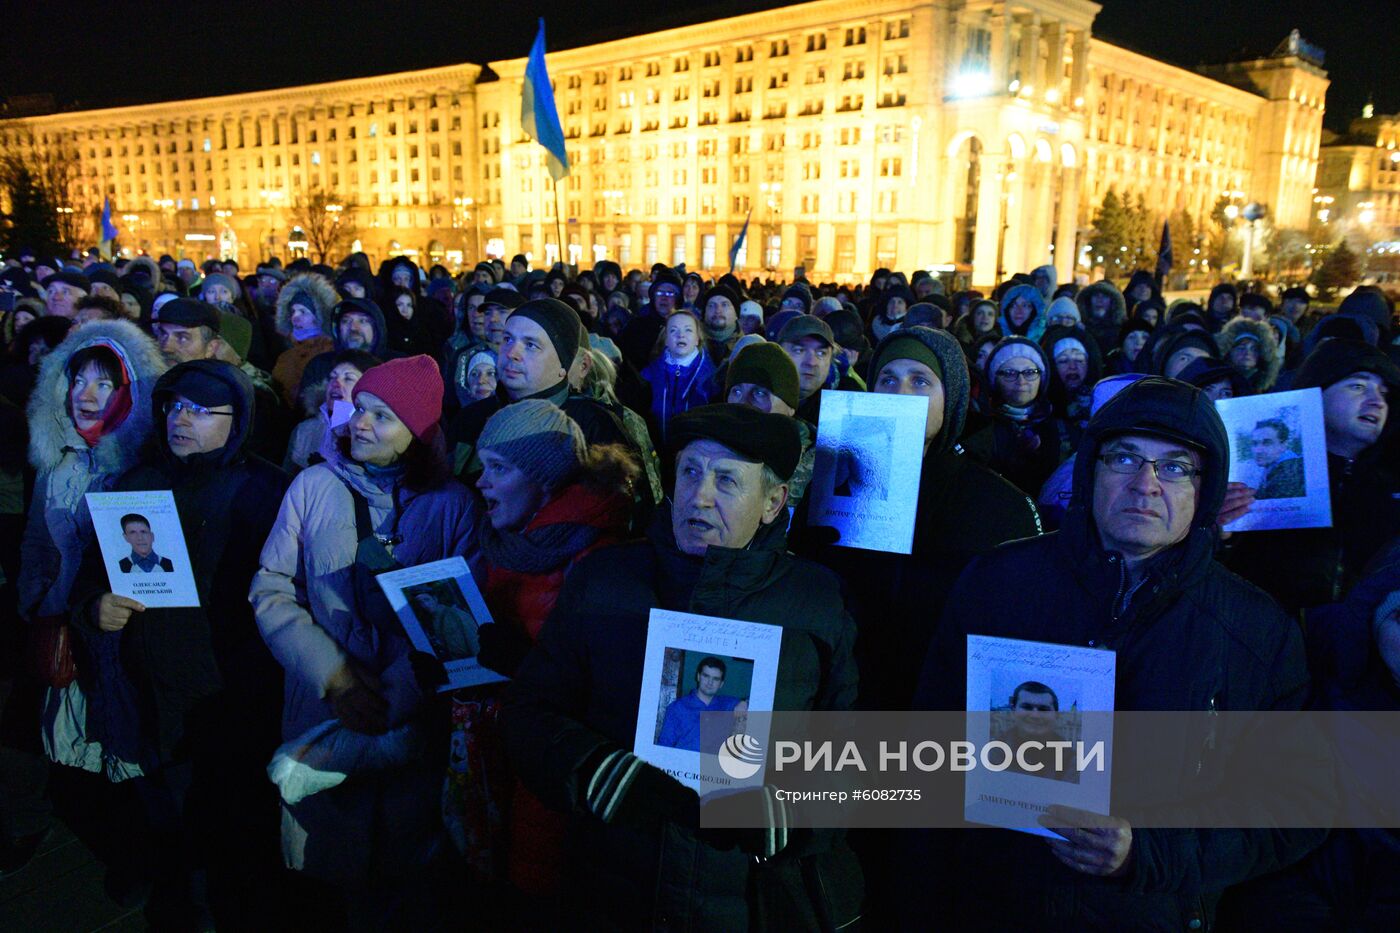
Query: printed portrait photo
column 447, row 620
column 693, row 683
column 1270, row 455
column 1034, row 710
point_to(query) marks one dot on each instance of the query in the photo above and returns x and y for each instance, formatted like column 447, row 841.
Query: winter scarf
column 543, row 546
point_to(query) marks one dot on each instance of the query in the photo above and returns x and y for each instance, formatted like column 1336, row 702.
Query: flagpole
column 559, row 224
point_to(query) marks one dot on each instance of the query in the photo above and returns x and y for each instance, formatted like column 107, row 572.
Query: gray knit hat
column 538, row 438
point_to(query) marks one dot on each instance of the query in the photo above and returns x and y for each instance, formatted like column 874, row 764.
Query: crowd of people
column 597, row 443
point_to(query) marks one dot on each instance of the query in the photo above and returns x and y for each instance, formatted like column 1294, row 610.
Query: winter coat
column 59, row 527
column 963, row 510
column 677, row 389
column 882, row 326
column 1191, row 636
column 576, row 695
column 1023, row 446
column 178, row 657
column 1105, row 328
column 1035, row 326
column 1072, row 409
column 304, row 600
column 306, row 441
column 1266, row 339
column 1308, row 567
column 286, row 372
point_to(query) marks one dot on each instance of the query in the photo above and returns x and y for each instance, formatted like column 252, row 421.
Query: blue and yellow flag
column 538, row 114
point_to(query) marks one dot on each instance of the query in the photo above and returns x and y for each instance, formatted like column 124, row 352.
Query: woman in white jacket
column 345, row 657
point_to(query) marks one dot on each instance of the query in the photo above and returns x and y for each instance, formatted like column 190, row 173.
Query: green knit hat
column 905, row 347
column 767, row 365
column 237, row 332
column 538, row 438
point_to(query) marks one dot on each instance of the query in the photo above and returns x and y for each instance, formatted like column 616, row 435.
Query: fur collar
column 322, row 295
column 51, row 428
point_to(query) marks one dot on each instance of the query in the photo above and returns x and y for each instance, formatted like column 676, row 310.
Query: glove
column 761, row 818
column 619, row 788
column 428, row 671
column 503, row 647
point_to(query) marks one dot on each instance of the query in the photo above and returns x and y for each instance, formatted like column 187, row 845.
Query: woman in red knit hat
column 383, row 497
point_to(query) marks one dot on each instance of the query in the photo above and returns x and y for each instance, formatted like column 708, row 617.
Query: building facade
column 847, row 135
column 1358, row 181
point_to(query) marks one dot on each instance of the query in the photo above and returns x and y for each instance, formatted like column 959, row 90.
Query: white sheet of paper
column 865, row 481
column 442, row 612
column 1081, row 680
column 152, row 533
column 669, row 722
column 1297, row 464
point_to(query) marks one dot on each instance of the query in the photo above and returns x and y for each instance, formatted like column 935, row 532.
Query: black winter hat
column 802, row 293
column 560, row 323
column 189, row 312
column 1339, row 357
column 75, row 279
column 773, row 440
column 848, row 329
column 664, row 277
column 1165, row 408
column 721, row 291
column 505, row 297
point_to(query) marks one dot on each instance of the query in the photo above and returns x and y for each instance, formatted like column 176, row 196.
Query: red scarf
column 118, row 407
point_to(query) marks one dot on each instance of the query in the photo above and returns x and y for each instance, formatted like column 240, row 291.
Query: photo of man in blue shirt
column 680, row 727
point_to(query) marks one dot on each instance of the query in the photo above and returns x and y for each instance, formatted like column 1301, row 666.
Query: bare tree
column 53, row 165
column 327, row 220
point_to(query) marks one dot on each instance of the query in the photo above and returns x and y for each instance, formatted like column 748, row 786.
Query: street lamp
column 772, row 192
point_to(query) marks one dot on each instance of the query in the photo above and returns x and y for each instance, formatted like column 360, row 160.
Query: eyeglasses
column 1018, row 375
column 1168, row 471
column 174, row 407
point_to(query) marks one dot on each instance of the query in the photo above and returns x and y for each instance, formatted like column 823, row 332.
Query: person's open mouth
column 1370, row 418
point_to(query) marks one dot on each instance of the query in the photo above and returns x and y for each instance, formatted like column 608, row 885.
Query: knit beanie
column 560, row 323
column 1011, row 349
column 219, row 278
column 1063, row 305
column 412, row 388
column 751, row 309
column 1339, row 357
column 236, row 331
column 905, row 347
column 768, row 365
column 538, row 438
column 1067, row 343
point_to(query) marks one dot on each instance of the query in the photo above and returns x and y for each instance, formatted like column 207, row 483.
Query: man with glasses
column 1132, row 570
column 207, row 694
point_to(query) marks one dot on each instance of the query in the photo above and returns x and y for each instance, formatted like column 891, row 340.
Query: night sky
column 116, row 53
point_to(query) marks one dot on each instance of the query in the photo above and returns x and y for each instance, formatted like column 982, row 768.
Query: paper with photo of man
column 865, row 476
column 1031, row 697
column 442, row 611
column 143, row 547
column 1278, row 448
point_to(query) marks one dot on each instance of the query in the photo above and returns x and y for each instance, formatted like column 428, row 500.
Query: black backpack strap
column 364, row 525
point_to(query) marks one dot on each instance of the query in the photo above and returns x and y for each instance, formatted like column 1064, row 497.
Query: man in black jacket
column 1305, row 568
column 208, row 692
column 539, row 344
column 571, row 714
column 1132, row 570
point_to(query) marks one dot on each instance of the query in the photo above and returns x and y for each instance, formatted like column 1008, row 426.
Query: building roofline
column 465, row 70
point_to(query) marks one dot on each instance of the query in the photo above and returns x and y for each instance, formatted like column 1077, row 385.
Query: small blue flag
column 739, row 243
column 538, row 114
column 109, row 229
column 1164, row 254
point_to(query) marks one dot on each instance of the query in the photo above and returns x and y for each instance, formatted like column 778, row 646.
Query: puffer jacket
column 1106, row 327
column 303, row 596
column 1270, row 357
column 286, row 372
column 576, row 694
column 59, row 527
column 1191, row 637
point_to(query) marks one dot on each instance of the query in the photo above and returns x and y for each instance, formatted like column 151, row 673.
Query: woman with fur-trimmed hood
column 1252, row 348
column 304, row 318
column 1102, row 311
column 89, row 416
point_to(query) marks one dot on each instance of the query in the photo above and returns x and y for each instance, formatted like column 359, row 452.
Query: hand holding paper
column 1093, row 843
column 112, row 612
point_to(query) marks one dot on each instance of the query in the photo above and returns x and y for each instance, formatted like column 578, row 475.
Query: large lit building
column 1358, row 181
column 848, row 135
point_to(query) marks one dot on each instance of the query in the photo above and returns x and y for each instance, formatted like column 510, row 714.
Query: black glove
column 503, row 647
column 618, row 787
column 760, row 817
column 427, row 670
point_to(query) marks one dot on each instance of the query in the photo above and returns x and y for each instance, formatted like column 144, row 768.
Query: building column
column 1081, row 65
column 1067, row 240
column 989, row 216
